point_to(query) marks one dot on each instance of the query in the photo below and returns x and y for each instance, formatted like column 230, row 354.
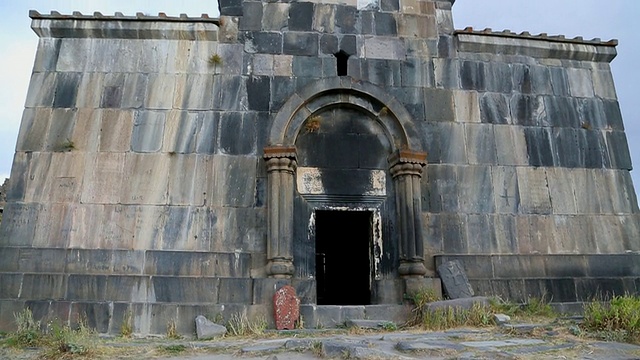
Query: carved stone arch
column 405, row 166
column 336, row 91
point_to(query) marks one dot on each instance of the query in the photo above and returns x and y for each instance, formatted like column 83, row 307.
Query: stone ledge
column 508, row 43
column 119, row 26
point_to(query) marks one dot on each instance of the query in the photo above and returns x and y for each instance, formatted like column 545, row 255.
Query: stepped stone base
column 329, row 316
column 565, row 278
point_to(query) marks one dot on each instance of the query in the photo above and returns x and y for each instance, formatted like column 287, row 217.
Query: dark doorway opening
column 343, row 257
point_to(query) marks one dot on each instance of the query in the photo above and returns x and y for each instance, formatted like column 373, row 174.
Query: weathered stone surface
column 206, row 329
column 286, row 308
column 454, row 280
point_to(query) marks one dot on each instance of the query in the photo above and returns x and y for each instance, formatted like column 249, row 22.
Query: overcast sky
column 588, row 18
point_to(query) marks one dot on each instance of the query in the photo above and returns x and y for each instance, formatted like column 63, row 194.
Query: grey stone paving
column 451, row 344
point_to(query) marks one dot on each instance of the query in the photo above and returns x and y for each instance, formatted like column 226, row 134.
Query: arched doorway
column 340, row 154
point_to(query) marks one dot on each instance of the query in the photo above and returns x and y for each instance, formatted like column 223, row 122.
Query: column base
column 280, row 268
column 412, row 268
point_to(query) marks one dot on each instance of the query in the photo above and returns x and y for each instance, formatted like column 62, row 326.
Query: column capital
column 408, row 157
column 280, row 158
column 271, row 152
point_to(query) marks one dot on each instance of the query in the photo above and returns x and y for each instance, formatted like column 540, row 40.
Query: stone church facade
column 173, row 166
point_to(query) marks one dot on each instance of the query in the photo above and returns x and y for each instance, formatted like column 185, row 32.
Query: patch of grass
column 63, row 342
column 389, row 326
column 28, row 333
column 316, row 348
column 420, row 299
column 240, row 325
column 173, row 349
column 452, row 317
column 618, row 320
column 533, row 307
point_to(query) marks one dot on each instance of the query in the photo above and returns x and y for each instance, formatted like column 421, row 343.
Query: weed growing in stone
column 215, row 60
column 172, row 330
column 618, row 320
column 28, row 333
column 451, row 317
column 63, row 342
column 126, row 329
column 533, row 307
column 240, row 325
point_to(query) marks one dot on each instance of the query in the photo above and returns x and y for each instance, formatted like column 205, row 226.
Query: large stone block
column 476, row 189
column 184, row 180
column 539, row 148
column 193, row 92
column 263, row 42
column 533, row 191
column 95, row 315
column 61, row 130
column 207, row 134
column 180, row 132
column 443, row 188
column 467, row 106
column 472, row 75
column 136, row 188
column 275, row 16
column 384, row 48
column 561, row 189
column 481, row 235
column 506, row 234
column 19, row 225
column 41, row 89
column 562, row 111
column 103, row 179
column 42, row 287
column 446, row 73
column 531, row 79
column 580, row 83
column 86, row 288
column 505, row 184
column 235, row 290
column 238, row 133
column 116, row 127
column 41, row 260
column 559, row 81
column 439, row 105
column 33, row 129
column 381, row 72
column 528, row 110
column 148, row 131
column 86, row 132
column 234, row 181
column 66, row 89
column 88, row 95
column 511, row 148
column 300, row 44
column 301, row 16
column 495, row 109
column 612, row 114
column 160, row 91
column 585, row 180
column 603, row 85
column 481, row 144
column 185, row 290
column 454, row 234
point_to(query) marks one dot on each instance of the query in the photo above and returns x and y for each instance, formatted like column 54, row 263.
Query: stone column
column 281, row 168
column 406, row 170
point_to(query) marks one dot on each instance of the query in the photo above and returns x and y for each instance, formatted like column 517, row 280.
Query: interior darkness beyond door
column 343, row 271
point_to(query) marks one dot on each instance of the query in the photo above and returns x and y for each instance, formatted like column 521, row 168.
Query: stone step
column 331, row 316
column 371, row 324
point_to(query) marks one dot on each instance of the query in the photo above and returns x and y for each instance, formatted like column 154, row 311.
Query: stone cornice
column 537, row 46
column 98, row 26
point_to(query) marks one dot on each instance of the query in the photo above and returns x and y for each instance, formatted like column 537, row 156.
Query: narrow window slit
column 342, row 62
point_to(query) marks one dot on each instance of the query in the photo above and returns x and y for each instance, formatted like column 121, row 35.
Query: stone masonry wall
column 138, row 183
